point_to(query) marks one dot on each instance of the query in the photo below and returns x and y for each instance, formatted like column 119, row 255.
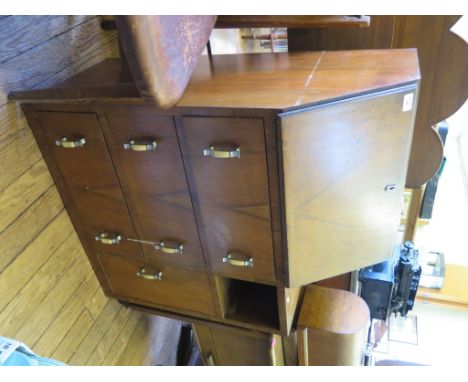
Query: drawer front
column 233, row 194
column 344, row 168
column 86, row 170
column 161, row 285
column 147, row 157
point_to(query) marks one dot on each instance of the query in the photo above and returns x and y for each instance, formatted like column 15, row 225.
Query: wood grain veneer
column 280, row 81
column 178, row 288
column 339, row 159
column 335, row 118
column 155, row 185
column 336, row 318
column 232, row 194
column 89, row 177
column 443, row 60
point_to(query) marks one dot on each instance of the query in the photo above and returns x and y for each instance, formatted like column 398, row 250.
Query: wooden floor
column 49, row 296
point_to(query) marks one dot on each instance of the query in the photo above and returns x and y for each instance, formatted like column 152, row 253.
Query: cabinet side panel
column 344, row 170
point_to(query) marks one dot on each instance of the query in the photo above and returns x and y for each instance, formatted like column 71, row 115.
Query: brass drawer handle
column 108, row 238
column 64, row 142
column 134, row 146
column 238, row 262
column 142, row 274
column 390, row 187
column 212, row 152
column 162, row 246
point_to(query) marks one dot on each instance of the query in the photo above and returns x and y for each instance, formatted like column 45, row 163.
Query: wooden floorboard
column 17, row 313
column 61, row 324
column 31, row 222
column 74, row 50
column 97, row 331
column 20, row 34
column 105, row 346
column 120, row 344
column 18, row 274
column 23, row 192
column 49, row 297
column 149, row 340
column 18, row 153
column 74, row 336
column 55, row 298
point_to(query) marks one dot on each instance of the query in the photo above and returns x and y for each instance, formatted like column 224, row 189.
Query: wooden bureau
column 273, row 171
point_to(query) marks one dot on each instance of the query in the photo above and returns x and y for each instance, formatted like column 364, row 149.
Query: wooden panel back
column 154, row 184
column 344, row 170
column 232, row 194
column 89, row 177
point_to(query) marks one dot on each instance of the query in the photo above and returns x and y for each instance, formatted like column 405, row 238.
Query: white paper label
column 7, row 347
column 408, row 102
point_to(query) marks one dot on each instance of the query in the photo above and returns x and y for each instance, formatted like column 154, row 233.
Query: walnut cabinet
column 274, row 171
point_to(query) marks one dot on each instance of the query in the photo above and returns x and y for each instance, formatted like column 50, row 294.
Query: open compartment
column 249, row 302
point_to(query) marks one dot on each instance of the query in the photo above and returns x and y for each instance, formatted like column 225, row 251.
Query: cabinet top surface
column 280, row 81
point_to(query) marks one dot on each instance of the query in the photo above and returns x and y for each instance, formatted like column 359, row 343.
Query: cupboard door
column 228, row 346
column 79, row 153
column 161, row 285
column 147, row 157
column 228, row 163
column 344, row 168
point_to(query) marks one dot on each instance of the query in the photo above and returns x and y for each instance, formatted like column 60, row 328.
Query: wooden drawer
column 155, row 185
column 176, row 288
column 233, row 194
column 87, row 174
